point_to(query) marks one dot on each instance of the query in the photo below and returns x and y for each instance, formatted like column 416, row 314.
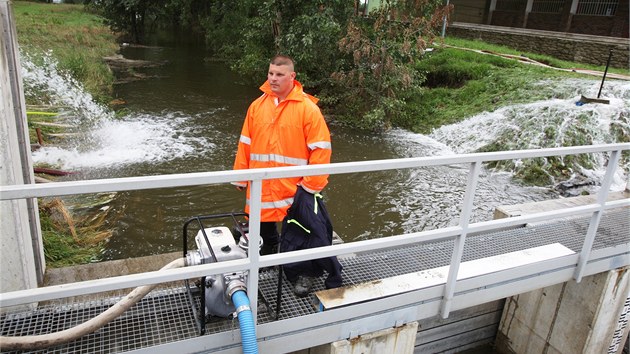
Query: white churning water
column 102, row 139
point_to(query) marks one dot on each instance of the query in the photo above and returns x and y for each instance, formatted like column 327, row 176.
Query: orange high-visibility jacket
column 289, row 133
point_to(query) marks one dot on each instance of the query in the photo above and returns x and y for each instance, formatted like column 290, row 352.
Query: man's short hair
column 283, row 60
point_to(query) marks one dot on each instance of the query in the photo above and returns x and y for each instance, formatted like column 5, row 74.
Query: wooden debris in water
column 50, row 124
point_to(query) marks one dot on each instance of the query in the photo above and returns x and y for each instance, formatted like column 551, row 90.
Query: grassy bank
column 77, row 39
column 462, row 83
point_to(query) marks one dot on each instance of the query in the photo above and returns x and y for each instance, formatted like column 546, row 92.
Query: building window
column 511, row 5
column 597, row 7
column 548, row 6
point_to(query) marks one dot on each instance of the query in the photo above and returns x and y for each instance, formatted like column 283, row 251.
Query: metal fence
column 333, row 325
column 597, row 7
column 584, row 7
column 547, row 6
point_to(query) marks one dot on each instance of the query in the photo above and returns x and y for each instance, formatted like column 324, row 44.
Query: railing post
column 458, row 246
column 602, row 195
column 255, row 206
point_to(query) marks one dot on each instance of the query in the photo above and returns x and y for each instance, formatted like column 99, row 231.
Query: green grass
column 67, row 238
column 77, row 39
column 463, row 83
column 61, row 250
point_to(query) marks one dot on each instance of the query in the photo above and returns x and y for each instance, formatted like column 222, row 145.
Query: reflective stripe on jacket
column 289, row 133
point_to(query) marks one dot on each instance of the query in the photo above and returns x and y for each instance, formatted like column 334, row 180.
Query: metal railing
column 458, row 233
column 597, row 7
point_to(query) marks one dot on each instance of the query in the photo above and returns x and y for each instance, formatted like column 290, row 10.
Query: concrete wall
column 20, row 235
column 586, row 317
column 466, row 329
column 399, row 340
column 566, row 318
column 565, row 46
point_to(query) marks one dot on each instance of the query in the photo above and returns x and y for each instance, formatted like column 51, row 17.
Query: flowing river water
column 186, row 117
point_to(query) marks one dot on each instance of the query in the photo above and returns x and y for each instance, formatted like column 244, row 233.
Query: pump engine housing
column 217, row 243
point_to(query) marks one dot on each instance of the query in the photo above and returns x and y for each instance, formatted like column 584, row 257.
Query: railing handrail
column 8, row 192
column 153, row 277
column 257, row 175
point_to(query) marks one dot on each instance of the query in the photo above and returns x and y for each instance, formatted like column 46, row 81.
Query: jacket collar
column 296, row 94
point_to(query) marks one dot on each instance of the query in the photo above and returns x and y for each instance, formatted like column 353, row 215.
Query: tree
column 360, row 66
column 307, row 31
column 241, row 32
column 363, row 68
column 133, row 18
column 126, row 16
column 384, row 47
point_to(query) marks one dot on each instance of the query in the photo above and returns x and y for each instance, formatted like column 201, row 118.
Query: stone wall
column 579, row 48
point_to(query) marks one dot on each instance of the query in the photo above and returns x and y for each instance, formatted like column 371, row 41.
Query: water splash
column 45, row 83
column 551, row 123
column 104, row 141
column 136, row 138
column 431, row 197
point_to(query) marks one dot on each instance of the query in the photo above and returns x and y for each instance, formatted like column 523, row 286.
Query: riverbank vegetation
column 371, row 70
column 368, row 72
column 77, row 39
column 69, row 239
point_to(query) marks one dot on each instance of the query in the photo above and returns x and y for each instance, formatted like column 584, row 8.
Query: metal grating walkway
column 166, row 315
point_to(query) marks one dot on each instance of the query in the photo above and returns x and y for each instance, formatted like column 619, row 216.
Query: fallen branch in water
column 52, row 171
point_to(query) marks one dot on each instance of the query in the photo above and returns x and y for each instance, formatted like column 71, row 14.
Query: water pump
column 217, row 244
column 219, row 295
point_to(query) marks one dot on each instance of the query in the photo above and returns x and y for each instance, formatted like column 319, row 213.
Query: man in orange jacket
column 283, row 127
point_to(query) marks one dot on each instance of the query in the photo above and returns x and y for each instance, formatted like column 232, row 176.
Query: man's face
column 281, row 79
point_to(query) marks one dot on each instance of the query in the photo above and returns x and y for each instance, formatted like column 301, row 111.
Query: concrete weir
column 587, row 317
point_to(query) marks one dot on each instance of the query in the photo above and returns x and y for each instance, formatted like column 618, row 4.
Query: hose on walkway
column 246, row 322
column 51, row 339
